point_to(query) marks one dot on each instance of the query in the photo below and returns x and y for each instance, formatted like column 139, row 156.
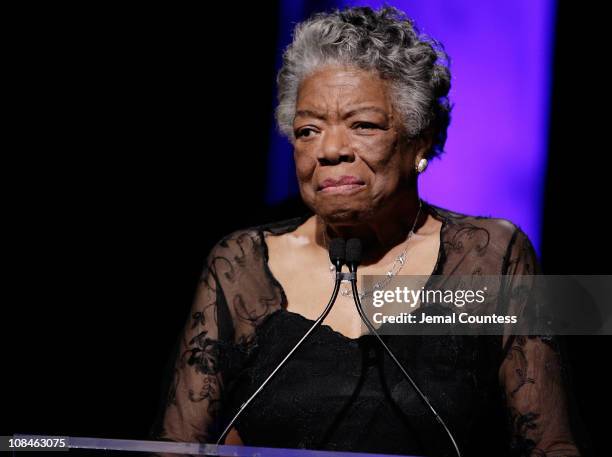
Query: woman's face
column 352, row 158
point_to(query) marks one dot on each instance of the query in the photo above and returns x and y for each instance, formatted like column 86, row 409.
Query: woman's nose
column 335, row 147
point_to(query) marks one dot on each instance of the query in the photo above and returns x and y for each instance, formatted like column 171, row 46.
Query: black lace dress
column 338, row 393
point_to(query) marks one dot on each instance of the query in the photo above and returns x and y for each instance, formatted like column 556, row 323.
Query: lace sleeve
column 195, row 392
column 532, row 373
column 234, row 295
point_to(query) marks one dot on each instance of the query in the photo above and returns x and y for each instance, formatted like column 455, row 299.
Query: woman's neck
column 378, row 235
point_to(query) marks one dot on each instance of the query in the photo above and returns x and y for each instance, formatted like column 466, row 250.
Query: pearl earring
column 420, row 168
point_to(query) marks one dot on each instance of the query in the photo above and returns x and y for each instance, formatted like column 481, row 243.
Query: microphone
column 337, row 252
column 353, row 259
column 353, row 254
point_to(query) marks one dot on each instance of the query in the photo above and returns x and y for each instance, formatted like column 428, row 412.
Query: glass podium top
column 104, row 446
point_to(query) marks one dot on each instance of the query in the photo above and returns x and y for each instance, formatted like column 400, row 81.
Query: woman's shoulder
column 500, row 236
column 237, row 265
column 240, row 240
column 498, row 226
column 241, row 256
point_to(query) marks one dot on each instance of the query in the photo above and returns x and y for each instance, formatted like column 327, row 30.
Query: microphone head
column 337, row 251
column 353, row 251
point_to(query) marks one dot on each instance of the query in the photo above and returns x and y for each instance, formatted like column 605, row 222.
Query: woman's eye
column 304, row 133
column 365, row 125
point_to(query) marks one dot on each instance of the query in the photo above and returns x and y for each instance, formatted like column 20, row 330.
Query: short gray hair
column 386, row 41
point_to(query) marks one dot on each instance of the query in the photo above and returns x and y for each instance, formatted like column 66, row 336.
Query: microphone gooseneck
column 337, row 250
column 353, row 259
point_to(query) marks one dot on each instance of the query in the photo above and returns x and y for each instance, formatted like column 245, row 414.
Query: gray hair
column 386, row 41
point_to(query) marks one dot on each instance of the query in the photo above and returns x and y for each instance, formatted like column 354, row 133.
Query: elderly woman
column 363, row 100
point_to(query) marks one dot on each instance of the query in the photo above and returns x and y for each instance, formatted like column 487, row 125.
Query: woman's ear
column 421, row 166
column 423, row 147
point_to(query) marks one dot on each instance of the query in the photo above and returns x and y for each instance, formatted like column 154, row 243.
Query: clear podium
column 103, row 446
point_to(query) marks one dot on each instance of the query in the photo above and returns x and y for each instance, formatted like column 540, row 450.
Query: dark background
column 137, row 138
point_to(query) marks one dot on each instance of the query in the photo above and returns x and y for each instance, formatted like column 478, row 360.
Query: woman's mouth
column 342, row 185
column 343, row 189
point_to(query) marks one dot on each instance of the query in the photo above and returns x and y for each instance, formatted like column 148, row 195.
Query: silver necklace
column 396, row 267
